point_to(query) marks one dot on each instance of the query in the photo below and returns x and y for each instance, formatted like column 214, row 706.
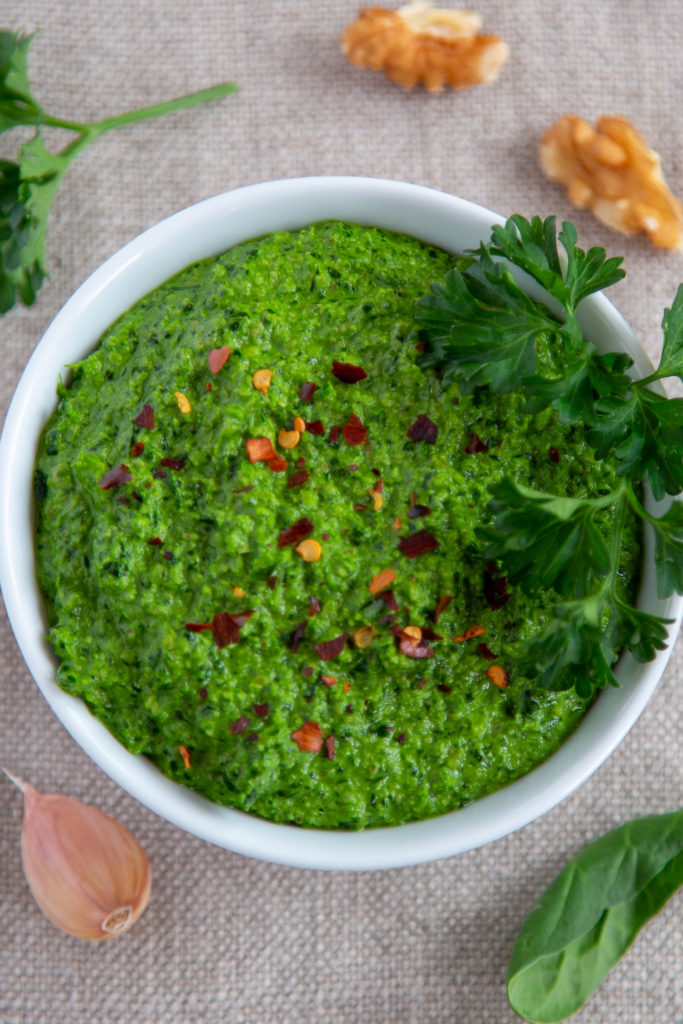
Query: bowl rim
column 153, row 256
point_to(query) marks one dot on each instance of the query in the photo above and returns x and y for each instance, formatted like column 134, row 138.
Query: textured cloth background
column 227, row 940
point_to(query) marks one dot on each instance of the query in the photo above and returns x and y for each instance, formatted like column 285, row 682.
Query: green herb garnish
column 482, row 329
column 29, row 185
column 589, row 916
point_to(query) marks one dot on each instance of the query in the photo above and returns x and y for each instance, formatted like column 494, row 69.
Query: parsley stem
column 192, row 99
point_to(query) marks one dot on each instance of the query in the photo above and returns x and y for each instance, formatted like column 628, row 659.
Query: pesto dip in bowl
column 267, row 584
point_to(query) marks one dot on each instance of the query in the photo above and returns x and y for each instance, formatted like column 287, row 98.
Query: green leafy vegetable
column 29, row 185
column 483, row 329
column 590, row 915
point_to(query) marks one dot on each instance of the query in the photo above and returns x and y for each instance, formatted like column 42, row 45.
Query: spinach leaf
column 589, row 916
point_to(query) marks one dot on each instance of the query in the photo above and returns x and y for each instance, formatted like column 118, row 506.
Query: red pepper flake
column 159, row 474
column 307, row 390
column 420, row 683
column 353, row 467
column 331, row 648
column 134, row 494
column 242, row 490
column 122, row 500
column 486, row 652
column 173, row 463
column 203, row 693
column 137, row 449
column 554, row 455
column 441, row 607
column 307, row 671
column 309, row 737
column 348, row 709
column 294, row 533
column 429, row 634
column 325, row 536
column 168, row 555
column 278, row 464
column 476, row 445
column 444, row 688
column 329, row 747
column 315, row 427
column 261, row 710
column 239, row 726
column 334, row 434
column 469, row 633
column 185, row 754
column 260, row 449
column 224, row 626
column 389, row 599
column 252, row 737
column 314, row 606
column 198, row 627
column 145, row 418
column 354, row 432
column 423, row 429
column 415, row 650
column 418, row 544
column 347, row 373
column 155, row 541
column 208, row 385
column 329, row 681
column 115, row 477
column 298, row 478
column 495, row 588
column 418, row 511
column 297, row 636
column 218, row 357
column 360, row 508
column 272, row 582
column 400, row 737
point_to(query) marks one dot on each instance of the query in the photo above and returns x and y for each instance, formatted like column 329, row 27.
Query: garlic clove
column 87, row 872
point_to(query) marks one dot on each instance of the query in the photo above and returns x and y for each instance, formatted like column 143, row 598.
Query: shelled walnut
column 421, row 44
column 613, row 172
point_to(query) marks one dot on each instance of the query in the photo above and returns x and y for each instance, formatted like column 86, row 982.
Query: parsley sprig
column 483, row 330
column 28, row 185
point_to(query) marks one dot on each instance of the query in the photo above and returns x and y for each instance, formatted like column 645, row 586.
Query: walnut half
column 613, row 172
column 421, row 44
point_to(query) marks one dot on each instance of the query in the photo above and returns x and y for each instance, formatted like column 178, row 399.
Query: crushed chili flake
column 218, row 357
column 122, row 500
column 382, row 580
column 554, row 455
column 413, row 650
column 476, row 445
column 261, row 710
column 298, row 478
column 329, row 649
column 294, row 533
column 137, row 449
column 358, row 507
column 297, row 636
column 168, row 555
column 309, row 737
column 354, row 431
column 472, row 631
column 307, row 671
column 242, row 490
column 159, row 474
column 145, row 417
column 314, row 606
column 315, row 427
column 418, row 544
column 226, row 627
column 307, row 390
column 418, row 511
column 498, row 675
column 353, row 467
column 241, row 725
column 172, row 463
column 397, row 524
column 115, row 477
column 443, row 687
column 329, row 747
column 486, row 652
column 155, row 541
column 441, row 607
column 329, row 681
column 260, row 449
column 347, row 373
column 252, row 737
column 348, row 709
column 203, row 693
column 198, row 627
column 325, row 536
column 300, row 462
column 423, row 429
column 185, row 754
column 272, row 582
column 208, row 385
column 400, row 737
column 420, row 683
column 334, row 433
column 495, row 588
column 389, row 599
column 429, row 634
column 278, row 463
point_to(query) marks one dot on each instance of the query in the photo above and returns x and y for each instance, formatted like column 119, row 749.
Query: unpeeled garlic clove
column 87, row 872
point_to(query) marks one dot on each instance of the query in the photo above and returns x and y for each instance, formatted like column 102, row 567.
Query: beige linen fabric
column 227, row 940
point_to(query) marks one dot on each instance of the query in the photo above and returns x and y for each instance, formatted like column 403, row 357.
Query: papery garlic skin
column 87, row 872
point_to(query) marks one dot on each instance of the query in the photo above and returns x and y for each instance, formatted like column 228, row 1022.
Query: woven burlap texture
column 227, row 940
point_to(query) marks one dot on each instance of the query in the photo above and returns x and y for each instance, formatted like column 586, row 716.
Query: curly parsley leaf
column 28, row 186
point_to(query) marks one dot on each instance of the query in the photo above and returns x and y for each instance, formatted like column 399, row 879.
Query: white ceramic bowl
column 207, row 229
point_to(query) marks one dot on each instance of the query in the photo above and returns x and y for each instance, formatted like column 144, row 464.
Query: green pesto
column 413, row 738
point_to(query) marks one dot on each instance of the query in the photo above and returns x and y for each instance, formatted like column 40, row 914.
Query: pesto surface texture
column 157, row 533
